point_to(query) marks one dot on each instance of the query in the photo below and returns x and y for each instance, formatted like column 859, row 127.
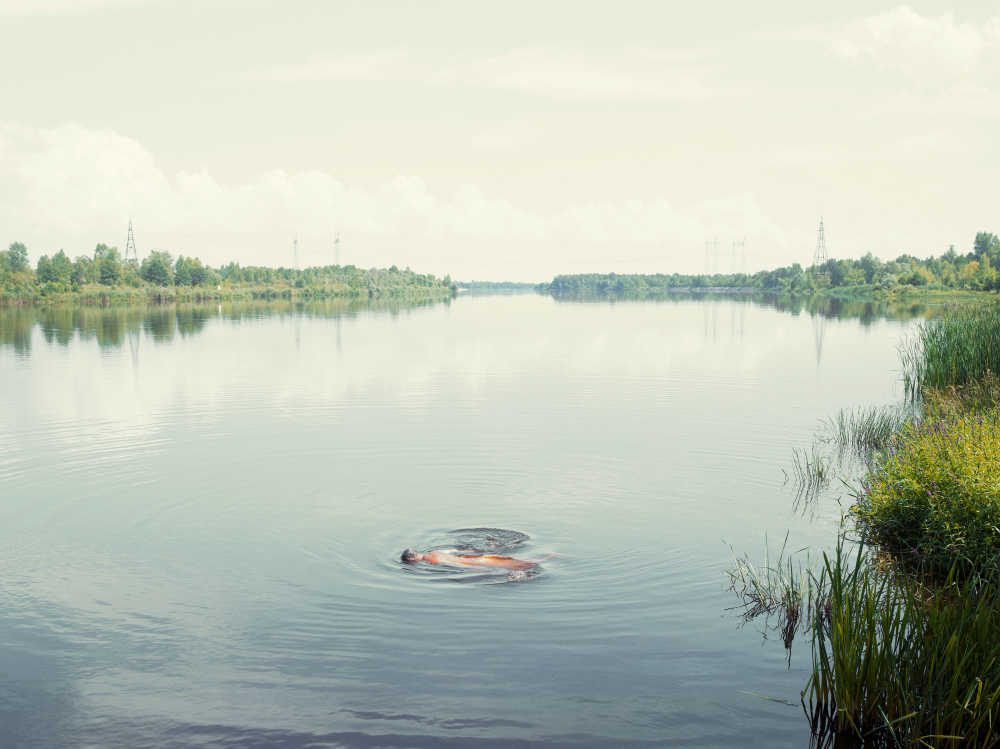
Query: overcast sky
column 501, row 140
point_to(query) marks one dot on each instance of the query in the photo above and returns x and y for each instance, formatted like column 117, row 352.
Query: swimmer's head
column 410, row 555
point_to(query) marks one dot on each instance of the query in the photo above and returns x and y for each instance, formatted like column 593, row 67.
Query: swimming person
column 469, row 560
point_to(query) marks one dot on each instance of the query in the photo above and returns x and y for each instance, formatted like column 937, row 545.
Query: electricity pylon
column 130, row 245
column 821, row 257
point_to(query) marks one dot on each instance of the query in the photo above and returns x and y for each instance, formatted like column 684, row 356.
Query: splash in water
column 488, row 540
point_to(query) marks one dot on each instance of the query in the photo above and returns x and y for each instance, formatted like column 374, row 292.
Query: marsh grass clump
column 958, row 348
column 777, row 590
column 812, row 471
column 897, row 663
column 977, row 396
column 864, row 431
column 933, row 500
column 843, row 446
column 900, row 658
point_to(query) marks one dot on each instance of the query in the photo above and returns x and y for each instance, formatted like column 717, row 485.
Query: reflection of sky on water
column 486, row 340
column 202, row 528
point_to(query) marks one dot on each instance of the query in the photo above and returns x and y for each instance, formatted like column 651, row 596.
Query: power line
column 711, row 256
column 739, row 247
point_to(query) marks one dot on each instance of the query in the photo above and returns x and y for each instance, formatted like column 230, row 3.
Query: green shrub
column 933, row 498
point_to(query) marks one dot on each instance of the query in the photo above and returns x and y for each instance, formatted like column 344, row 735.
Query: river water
column 202, row 511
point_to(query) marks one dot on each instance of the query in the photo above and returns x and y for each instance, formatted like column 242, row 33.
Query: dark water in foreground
column 201, row 516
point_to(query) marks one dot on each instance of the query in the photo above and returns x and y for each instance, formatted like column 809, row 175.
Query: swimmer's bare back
column 481, row 560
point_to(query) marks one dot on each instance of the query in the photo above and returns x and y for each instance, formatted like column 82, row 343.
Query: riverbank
column 903, row 617
column 99, row 295
column 611, row 287
column 104, row 278
column 909, row 649
column 902, row 304
column 977, row 270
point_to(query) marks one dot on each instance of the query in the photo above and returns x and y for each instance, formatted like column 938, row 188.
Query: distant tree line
column 978, row 270
column 497, row 286
column 58, row 274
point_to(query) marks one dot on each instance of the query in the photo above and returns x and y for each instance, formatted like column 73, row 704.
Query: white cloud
column 72, row 187
column 53, row 7
column 903, row 40
column 508, row 135
column 626, row 74
column 894, row 154
column 635, row 74
column 374, row 66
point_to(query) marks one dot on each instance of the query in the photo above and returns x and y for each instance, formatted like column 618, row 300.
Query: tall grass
column 958, row 348
column 864, row 431
column 898, row 664
column 977, row 396
column 812, row 471
column 843, row 447
column 905, row 626
column 776, row 590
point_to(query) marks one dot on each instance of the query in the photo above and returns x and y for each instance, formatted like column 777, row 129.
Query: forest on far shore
column 159, row 275
column 976, row 270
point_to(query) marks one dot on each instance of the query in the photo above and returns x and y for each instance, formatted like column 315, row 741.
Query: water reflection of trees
column 114, row 326
column 160, row 323
column 15, row 329
column 866, row 311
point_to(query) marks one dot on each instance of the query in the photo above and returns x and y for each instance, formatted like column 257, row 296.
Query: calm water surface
column 201, row 515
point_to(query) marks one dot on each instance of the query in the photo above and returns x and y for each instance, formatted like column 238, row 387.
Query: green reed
column 778, row 588
column 864, row 431
column 898, row 659
column 812, row 471
column 960, row 347
column 896, row 663
column 843, row 446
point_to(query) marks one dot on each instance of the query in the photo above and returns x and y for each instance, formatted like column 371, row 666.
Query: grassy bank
column 909, row 653
column 953, row 351
column 904, row 615
column 976, row 270
column 618, row 287
column 95, row 294
column 899, row 663
column 105, row 278
column 933, row 499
